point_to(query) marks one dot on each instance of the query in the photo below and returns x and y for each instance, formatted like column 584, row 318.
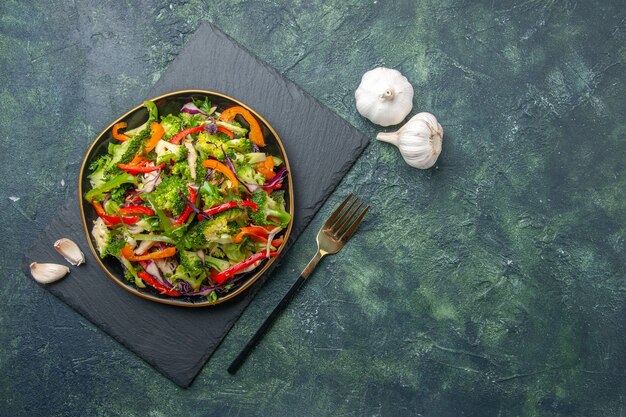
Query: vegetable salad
column 189, row 202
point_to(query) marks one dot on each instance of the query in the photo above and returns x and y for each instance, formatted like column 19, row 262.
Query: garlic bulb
column 48, row 273
column 70, row 251
column 385, row 96
column 419, row 140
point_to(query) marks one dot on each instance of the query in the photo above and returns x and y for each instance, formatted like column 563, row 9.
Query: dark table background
column 492, row 285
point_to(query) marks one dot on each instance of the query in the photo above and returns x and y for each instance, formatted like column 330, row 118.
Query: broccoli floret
column 194, row 239
column 269, row 207
column 210, row 195
column 115, row 246
column 108, row 241
column 191, row 262
column 200, row 172
column 125, row 152
column 241, row 145
column 191, row 120
column 248, row 174
column 172, row 125
column 211, row 230
column 209, row 145
column 118, row 195
column 182, row 170
column 235, row 215
column 203, row 233
column 212, row 145
column 166, row 197
column 182, row 274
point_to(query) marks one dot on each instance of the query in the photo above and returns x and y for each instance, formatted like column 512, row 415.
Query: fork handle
column 240, row 359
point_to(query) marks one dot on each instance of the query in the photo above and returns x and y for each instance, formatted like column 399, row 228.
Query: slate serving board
column 177, row 341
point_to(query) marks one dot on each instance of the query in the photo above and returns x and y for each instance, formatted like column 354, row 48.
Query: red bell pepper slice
column 136, row 169
column 277, row 242
column 229, row 205
column 226, row 132
column 157, row 285
column 223, row 276
column 180, row 135
column 127, row 252
column 112, row 220
column 193, row 195
column 136, row 210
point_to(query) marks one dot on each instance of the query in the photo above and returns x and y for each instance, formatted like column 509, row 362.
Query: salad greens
column 189, row 202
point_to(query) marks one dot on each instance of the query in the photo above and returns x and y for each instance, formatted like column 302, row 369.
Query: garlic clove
column 384, row 96
column 48, row 273
column 419, row 140
column 70, row 251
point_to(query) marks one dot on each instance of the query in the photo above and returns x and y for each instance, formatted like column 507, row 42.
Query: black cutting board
column 321, row 148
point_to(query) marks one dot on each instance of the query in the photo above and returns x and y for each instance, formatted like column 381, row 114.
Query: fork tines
column 344, row 222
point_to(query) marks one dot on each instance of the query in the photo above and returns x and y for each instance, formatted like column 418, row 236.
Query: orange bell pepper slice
column 267, row 168
column 258, row 233
column 127, row 252
column 116, row 134
column 256, row 134
column 157, row 134
column 138, row 159
column 217, row 165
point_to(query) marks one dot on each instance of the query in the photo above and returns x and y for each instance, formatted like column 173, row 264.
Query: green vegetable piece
column 249, row 174
column 171, row 125
column 97, row 194
column 234, row 251
column 182, row 274
column 204, row 105
column 192, row 263
column 166, row 197
column 191, row 120
column 210, row 195
column 216, row 263
column 269, row 207
column 182, row 170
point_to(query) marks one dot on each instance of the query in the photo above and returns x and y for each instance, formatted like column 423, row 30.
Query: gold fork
column 333, row 235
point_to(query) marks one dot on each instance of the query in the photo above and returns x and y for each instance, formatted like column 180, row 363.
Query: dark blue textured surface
column 492, row 285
